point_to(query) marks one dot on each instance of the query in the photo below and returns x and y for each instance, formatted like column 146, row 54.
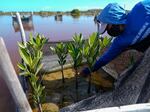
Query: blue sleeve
column 137, row 28
column 116, row 48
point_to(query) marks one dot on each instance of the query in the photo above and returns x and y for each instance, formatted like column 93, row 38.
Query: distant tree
column 1, row 12
column 75, row 12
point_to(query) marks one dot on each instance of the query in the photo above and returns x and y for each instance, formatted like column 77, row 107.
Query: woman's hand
column 85, row 72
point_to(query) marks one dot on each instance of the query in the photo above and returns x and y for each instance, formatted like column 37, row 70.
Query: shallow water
column 48, row 26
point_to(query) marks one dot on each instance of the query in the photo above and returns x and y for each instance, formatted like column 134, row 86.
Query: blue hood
column 112, row 14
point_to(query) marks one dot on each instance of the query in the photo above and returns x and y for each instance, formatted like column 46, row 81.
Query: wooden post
column 10, row 77
column 24, row 41
column 23, row 36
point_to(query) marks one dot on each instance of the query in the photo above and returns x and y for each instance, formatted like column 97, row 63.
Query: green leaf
column 39, row 68
column 32, row 40
column 36, row 60
column 24, row 73
column 91, row 49
column 21, row 66
column 21, row 45
column 38, row 40
column 92, row 39
column 59, row 62
column 33, row 79
column 106, row 41
column 64, row 61
column 24, row 55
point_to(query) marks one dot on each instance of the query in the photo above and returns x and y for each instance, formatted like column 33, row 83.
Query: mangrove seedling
column 90, row 52
column 61, row 51
column 35, row 45
column 31, row 56
column 75, row 49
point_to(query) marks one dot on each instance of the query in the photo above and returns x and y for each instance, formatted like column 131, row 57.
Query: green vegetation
column 78, row 49
column 91, row 51
column 104, row 42
column 75, row 49
column 75, row 12
column 61, row 51
column 31, row 67
column 44, row 13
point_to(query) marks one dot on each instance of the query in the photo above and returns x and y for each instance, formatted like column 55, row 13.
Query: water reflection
column 27, row 22
column 65, row 29
column 75, row 16
column 58, row 17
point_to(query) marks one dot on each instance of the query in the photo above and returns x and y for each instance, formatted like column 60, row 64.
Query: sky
column 60, row 5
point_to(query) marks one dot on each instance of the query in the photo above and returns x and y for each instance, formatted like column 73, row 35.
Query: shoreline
column 50, row 13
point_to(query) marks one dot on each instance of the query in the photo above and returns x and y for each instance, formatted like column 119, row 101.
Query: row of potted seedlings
column 79, row 50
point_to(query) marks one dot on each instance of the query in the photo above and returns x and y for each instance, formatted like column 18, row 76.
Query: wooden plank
column 10, row 77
